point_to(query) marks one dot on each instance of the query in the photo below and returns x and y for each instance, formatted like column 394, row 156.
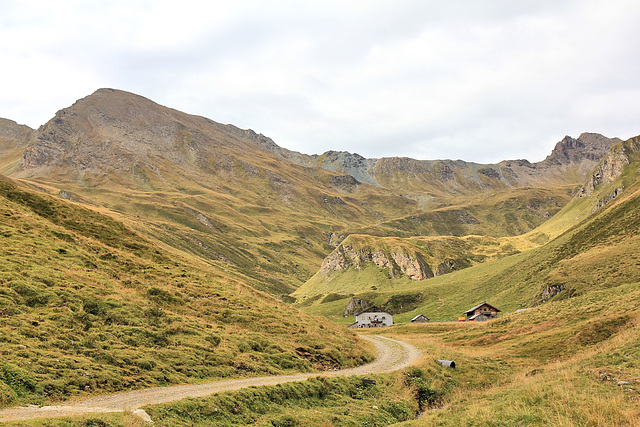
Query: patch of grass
column 335, row 297
column 558, row 364
column 316, row 402
column 114, row 312
column 117, row 419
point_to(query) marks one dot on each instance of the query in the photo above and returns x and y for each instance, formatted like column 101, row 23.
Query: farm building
column 481, row 312
column 420, row 318
column 372, row 317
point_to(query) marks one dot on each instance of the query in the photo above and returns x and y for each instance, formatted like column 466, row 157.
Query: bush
column 425, row 392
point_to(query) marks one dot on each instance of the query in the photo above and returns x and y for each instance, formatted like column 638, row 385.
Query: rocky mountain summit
column 113, row 130
column 116, row 131
column 570, row 161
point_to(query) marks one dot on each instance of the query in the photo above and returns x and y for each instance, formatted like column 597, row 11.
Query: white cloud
column 481, row 81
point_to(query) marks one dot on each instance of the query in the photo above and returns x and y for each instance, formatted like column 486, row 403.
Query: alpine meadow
column 145, row 247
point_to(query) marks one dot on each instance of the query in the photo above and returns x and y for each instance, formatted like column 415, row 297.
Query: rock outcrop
column 397, row 261
column 549, row 292
column 354, row 306
column 610, row 166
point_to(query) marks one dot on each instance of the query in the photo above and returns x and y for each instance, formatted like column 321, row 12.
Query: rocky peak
column 348, row 163
column 341, row 160
column 113, row 130
column 588, row 146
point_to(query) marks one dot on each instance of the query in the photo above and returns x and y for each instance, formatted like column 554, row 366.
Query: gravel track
column 392, row 355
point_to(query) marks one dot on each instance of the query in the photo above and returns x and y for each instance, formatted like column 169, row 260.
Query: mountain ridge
column 161, row 130
column 233, row 196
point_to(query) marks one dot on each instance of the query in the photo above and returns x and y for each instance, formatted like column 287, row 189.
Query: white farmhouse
column 372, row 317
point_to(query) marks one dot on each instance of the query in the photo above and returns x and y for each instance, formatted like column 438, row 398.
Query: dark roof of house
column 372, row 309
column 480, row 305
column 419, row 316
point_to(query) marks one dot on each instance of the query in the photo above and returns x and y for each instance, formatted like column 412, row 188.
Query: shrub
column 426, row 394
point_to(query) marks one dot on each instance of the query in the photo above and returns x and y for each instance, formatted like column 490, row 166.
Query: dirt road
column 392, row 355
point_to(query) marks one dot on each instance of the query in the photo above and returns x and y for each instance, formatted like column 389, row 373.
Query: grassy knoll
column 88, row 306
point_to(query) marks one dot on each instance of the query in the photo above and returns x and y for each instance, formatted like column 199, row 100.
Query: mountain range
column 239, row 201
column 143, row 246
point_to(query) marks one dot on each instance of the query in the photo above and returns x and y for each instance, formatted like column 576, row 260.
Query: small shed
column 481, row 312
column 372, row 317
column 420, row 318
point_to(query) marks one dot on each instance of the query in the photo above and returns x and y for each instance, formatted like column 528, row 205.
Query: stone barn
column 420, row 318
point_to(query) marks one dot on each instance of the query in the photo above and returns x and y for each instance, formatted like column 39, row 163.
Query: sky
column 477, row 80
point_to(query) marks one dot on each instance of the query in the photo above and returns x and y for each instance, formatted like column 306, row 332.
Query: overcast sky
column 478, row 80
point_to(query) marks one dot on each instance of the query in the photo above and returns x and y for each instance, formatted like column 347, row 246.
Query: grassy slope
column 581, row 259
column 276, row 233
column 87, row 306
column 500, row 213
column 572, row 361
column 519, row 210
column 433, row 251
column 557, row 364
column 279, row 234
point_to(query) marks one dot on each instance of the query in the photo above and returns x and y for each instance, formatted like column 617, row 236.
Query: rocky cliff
column 397, row 261
column 610, row 166
column 418, row 258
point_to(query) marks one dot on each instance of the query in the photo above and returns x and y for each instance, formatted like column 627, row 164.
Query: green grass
column 316, row 402
column 558, row 364
column 89, row 306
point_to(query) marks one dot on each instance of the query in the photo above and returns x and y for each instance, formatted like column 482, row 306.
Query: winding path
column 392, row 355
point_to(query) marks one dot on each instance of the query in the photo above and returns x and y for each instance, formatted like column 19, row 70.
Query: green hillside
column 221, row 194
column 597, row 252
column 89, row 306
column 570, row 360
column 161, row 266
